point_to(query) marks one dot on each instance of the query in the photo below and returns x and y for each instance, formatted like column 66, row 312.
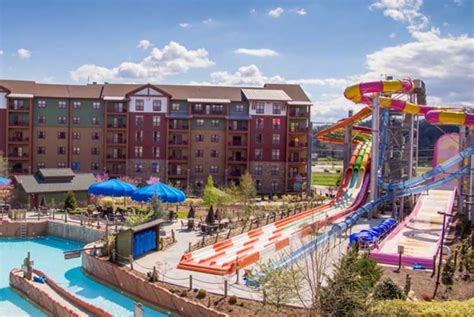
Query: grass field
column 324, row 179
column 422, row 169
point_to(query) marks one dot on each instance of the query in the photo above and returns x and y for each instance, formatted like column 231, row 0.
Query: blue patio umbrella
column 112, row 187
column 4, row 181
column 165, row 193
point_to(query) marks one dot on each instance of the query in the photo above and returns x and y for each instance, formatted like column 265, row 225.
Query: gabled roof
column 86, row 92
column 294, row 91
column 265, row 94
column 51, row 90
column 18, row 86
column 56, row 172
column 32, row 184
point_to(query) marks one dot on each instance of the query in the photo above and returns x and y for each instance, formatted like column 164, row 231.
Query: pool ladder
column 23, row 229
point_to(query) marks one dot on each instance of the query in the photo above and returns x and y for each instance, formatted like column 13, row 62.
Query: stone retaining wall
column 76, row 301
column 124, row 279
column 11, row 229
column 74, row 232
column 38, row 296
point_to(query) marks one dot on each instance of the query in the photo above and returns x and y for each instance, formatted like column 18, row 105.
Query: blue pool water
column 47, row 254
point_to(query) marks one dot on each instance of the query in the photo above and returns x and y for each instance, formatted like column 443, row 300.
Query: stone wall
column 74, row 232
column 38, row 296
column 10, row 229
column 137, row 286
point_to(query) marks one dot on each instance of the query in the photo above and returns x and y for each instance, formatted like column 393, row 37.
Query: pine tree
column 70, row 201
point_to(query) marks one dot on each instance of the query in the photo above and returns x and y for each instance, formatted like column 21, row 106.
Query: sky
column 324, row 45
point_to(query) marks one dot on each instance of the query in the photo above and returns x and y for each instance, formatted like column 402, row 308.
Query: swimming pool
column 47, row 254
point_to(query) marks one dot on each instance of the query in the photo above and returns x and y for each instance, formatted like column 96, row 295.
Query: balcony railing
column 294, row 175
column 178, row 142
column 113, row 110
column 18, row 108
column 117, row 141
column 117, row 125
column 298, row 129
column 237, row 159
column 18, row 170
column 238, row 128
column 298, row 114
column 116, row 156
column 16, row 155
column 298, row 144
column 236, row 173
column 297, row 160
column 18, row 139
column 178, row 158
column 178, row 127
column 237, row 143
column 19, row 123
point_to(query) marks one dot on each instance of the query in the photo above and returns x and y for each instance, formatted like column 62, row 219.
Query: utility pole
column 374, row 149
column 348, row 142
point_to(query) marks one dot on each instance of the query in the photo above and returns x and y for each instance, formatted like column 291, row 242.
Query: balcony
column 179, row 127
column 178, row 158
column 19, row 124
column 117, row 142
column 18, row 156
column 15, row 139
column 117, row 110
column 298, row 114
column 176, row 174
column 298, row 130
column 208, row 112
column 178, row 142
column 295, row 175
column 294, row 144
column 16, row 108
column 235, row 174
column 237, row 159
column 116, row 126
column 297, row 160
column 116, row 157
column 18, row 170
column 237, row 144
column 239, row 128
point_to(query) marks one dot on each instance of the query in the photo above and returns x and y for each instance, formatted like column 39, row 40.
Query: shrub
column 107, row 202
column 70, row 202
column 388, row 289
column 232, row 300
column 435, row 308
column 201, row 293
column 184, row 293
column 447, row 276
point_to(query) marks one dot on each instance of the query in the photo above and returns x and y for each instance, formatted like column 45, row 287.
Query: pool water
column 47, row 254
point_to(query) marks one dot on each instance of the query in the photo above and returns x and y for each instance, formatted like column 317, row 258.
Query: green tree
column 388, row 289
column 447, row 276
column 210, row 195
column 247, row 189
column 70, row 201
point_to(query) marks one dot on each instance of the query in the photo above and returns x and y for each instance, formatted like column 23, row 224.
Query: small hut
column 138, row 240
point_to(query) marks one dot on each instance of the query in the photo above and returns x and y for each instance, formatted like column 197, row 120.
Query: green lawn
column 324, row 179
column 422, row 169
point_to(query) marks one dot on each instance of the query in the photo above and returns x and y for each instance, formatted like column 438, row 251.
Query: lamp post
column 441, row 251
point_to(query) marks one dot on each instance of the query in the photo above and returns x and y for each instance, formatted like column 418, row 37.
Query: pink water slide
column 419, row 234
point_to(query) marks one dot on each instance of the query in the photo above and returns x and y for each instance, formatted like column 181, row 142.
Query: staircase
column 23, row 229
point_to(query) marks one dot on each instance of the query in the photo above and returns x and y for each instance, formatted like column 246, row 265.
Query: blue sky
column 322, row 44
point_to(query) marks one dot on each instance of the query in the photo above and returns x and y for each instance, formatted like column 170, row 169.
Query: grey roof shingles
column 56, row 172
column 32, row 185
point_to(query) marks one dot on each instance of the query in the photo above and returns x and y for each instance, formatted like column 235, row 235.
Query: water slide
column 415, row 228
column 246, row 249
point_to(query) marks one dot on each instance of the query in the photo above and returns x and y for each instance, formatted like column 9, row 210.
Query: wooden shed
column 138, row 240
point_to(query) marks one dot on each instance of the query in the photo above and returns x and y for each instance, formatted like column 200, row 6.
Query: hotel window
column 42, row 119
column 214, row 169
column 76, row 105
column 198, row 168
column 95, row 121
column 61, row 165
column 199, row 153
column 138, row 167
column 61, row 135
column 198, row 107
column 76, row 150
column 96, row 105
column 217, row 108
column 17, row 104
column 214, row 138
column 155, row 167
column 94, row 166
column 276, row 123
column 275, row 185
column 76, row 166
column 258, row 138
column 214, row 153
column 258, row 154
column 40, row 165
column 239, row 108
column 139, row 121
column 156, row 152
column 258, row 169
column 61, row 150
column 200, row 122
column 156, row 105
column 275, row 170
column 139, row 151
column 139, row 105
column 258, row 184
column 62, row 105
column 156, row 121
column 260, row 108
column 61, row 120
column 95, row 136
column 76, row 120
column 275, row 155
column 156, row 136
column 214, row 123
column 41, row 104
column 95, row 151
column 276, row 139
column 118, row 107
column 139, row 136
column 277, row 107
column 41, row 150
column 76, row 135
column 175, row 107
column 199, row 138
column 41, row 135
column 259, row 123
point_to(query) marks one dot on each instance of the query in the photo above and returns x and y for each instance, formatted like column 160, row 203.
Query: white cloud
column 23, row 53
column 208, row 21
column 258, row 52
column 406, row 11
column 458, row 2
column 246, row 76
column 445, row 24
column 1, row 52
column 185, row 25
column 253, row 11
column 392, row 35
column 300, row 11
column 170, row 60
column 144, row 44
column 275, row 13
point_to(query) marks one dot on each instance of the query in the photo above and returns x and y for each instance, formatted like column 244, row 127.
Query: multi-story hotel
column 179, row 133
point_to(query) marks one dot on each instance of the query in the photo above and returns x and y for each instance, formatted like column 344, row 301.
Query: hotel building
column 178, row 133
